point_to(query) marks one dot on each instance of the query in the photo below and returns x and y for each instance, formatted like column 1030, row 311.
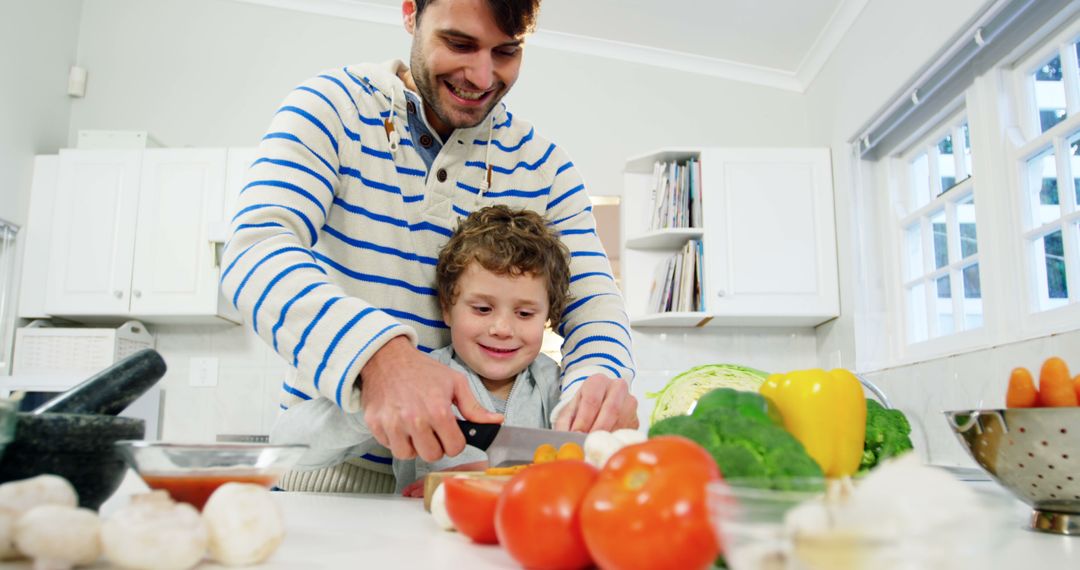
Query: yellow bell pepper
column 826, row 411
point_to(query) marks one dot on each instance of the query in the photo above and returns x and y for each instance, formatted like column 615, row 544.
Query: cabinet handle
column 118, row 294
column 138, row 294
column 721, row 293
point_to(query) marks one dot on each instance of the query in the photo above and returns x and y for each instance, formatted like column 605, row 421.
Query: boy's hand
column 602, row 403
column 407, row 401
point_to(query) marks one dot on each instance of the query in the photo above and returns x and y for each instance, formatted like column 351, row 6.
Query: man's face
column 497, row 322
column 461, row 62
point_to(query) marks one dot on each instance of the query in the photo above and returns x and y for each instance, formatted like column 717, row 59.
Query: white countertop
column 384, row 531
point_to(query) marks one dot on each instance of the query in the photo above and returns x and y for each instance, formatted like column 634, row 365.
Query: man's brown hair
column 514, row 17
column 506, row 242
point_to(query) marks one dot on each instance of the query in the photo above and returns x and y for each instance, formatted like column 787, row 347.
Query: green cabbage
column 681, row 393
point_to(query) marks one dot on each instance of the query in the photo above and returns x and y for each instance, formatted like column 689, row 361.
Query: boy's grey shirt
column 334, row 436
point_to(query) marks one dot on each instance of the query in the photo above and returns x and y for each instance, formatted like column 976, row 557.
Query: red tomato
column 537, row 516
column 648, row 508
column 470, row 503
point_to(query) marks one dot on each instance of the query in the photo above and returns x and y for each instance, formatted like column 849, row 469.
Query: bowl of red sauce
column 191, row 472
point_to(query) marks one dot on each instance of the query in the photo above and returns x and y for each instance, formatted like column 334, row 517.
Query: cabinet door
column 94, row 233
column 175, row 270
column 770, row 236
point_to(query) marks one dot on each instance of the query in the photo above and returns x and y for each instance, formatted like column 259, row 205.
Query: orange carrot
column 1055, row 385
column 1076, row 385
column 1022, row 392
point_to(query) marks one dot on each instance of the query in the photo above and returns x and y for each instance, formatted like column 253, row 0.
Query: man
column 359, row 182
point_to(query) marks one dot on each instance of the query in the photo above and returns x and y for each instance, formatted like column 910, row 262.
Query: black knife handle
column 478, row 435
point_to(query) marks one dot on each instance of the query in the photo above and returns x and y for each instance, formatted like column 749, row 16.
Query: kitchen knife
column 509, row 445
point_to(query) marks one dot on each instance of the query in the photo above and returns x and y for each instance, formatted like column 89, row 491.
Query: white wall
column 883, row 50
column 211, row 73
column 38, row 41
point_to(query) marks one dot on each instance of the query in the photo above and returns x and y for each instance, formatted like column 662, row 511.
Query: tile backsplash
column 250, row 374
column 244, row 401
column 976, row 379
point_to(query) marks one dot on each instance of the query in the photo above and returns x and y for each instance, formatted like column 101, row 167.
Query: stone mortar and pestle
column 72, row 435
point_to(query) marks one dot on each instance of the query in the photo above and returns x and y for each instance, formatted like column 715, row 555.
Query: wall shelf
column 665, row 239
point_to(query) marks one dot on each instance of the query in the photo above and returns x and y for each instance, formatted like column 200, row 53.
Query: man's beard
column 428, row 87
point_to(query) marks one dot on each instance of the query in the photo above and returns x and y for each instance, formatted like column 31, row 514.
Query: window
column 942, row 287
column 970, row 263
column 1050, row 172
column 7, row 292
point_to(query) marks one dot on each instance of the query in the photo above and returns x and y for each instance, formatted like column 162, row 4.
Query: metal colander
column 1034, row 453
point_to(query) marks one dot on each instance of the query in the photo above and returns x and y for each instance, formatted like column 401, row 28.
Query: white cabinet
column 93, row 236
column 768, row 238
column 131, row 235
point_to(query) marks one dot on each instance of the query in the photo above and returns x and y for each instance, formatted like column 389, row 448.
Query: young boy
column 501, row 278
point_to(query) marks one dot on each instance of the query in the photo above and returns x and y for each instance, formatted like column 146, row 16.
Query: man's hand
column 602, row 403
column 407, row 401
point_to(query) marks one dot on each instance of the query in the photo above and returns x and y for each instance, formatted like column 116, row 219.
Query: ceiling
column 778, row 43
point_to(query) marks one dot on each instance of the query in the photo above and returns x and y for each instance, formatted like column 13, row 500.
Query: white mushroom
column 438, row 509
column 629, row 436
column 21, row 496
column 153, row 532
column 245, row 524
column 7, row 534
column 601, row 445
column 59, row 537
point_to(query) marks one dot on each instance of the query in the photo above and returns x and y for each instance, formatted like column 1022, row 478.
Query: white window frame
column 1027, row 142
column 1005, row 133
column 904, row 212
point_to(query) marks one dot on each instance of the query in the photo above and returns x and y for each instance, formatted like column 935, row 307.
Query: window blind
column 1004, row 27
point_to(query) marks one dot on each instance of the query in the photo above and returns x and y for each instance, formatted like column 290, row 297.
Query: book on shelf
column 677, row 284
column 675, row 195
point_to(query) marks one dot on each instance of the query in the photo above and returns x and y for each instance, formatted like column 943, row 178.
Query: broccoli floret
column 688, row 427
column 771, row 453
column 888, row 434
column 750, row 404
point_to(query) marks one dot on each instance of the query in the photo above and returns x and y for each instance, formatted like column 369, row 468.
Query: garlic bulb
column 153, row 532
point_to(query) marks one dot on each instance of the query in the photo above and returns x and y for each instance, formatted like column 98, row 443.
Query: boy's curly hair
column 506, row 242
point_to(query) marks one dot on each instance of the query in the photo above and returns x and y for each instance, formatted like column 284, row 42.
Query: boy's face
column 461, row 62
column 497, row 322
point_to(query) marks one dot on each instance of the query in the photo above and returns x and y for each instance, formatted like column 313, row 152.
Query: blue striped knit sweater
column 335, row 241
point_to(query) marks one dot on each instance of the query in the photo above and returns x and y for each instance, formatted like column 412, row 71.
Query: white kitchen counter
column 383, row 531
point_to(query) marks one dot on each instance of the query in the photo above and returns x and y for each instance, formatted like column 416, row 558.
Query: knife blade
column 511, row 445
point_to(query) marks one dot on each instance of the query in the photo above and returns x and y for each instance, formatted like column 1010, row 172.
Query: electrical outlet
column 203, row 372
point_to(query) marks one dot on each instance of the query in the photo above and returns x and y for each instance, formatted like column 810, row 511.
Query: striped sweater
column 335, row 240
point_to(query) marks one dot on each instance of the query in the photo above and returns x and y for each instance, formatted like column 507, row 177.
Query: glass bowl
column 190, row 472
column 758, row 530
